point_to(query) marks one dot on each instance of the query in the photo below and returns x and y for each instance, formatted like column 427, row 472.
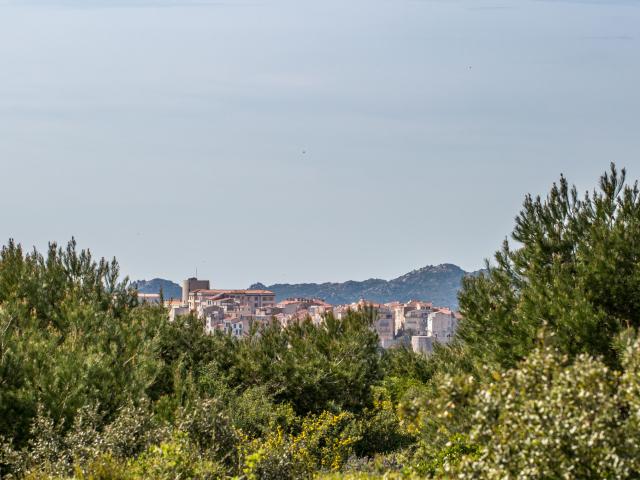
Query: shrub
column 276, row 458
column 550, row 418
column 324, row 443
column 378, row 429
column 256, row 414
column 176, row 458
column 210, row 430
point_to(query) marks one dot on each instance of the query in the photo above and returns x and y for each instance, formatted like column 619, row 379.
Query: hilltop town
column 416, row 324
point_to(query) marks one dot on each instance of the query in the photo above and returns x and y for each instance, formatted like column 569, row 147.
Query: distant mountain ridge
column 169, row 288
column 436, row 283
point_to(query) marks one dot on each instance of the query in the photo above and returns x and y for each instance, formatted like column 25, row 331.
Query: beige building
column 237, row 327
column 249, row 300
column 441, row 327
column 297, row 309
column 416, row 321
column 318, row 312
column 442, row 324
column 149, row 298
column 176, row 311
column 384, row 324
column 191, row 284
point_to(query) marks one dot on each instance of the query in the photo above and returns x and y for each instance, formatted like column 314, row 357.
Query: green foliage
column 549, row 418
column 210, row 429
column 540, row 382
column 402, row 362
column 457, row 448
column 570, row 283
column 176, row 458
column 378, row 429
column 96, row 386
column 575, row 273
column 366, row 476
column 184, row 349
column 275, row 458
column 325, row 442
column 55, row 451
column 314, row 368
column 441, row 419
column 71, row 335
column 256, row 414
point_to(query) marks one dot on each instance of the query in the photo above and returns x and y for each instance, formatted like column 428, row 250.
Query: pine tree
column 574, row 274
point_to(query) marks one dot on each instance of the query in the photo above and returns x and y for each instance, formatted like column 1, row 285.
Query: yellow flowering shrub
column 327, row 439
column 324, row 443
column 176, row 458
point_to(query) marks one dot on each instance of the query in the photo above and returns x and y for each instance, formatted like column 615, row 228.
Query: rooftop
column 233, row 292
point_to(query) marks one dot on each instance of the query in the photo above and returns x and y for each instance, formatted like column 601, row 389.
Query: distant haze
column 304, row 141
column 436, row 283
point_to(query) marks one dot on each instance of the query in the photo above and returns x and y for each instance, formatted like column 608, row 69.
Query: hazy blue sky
column 301, row 140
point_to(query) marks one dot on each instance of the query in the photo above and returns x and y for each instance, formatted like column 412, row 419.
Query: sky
column 303, row 140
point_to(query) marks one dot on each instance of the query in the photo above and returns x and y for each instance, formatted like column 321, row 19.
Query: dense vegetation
column 542, row 380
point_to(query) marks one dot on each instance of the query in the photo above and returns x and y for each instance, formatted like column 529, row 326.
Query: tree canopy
column 541, row 380
column 572, row 272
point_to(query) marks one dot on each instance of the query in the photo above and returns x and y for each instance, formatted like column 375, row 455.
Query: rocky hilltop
column 169, row 288
column 436, row 283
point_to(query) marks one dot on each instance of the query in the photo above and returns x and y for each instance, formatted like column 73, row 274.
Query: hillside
column 169, row 288
column 436, row 283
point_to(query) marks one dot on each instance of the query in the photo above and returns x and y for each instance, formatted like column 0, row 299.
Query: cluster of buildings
column 415, row 324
